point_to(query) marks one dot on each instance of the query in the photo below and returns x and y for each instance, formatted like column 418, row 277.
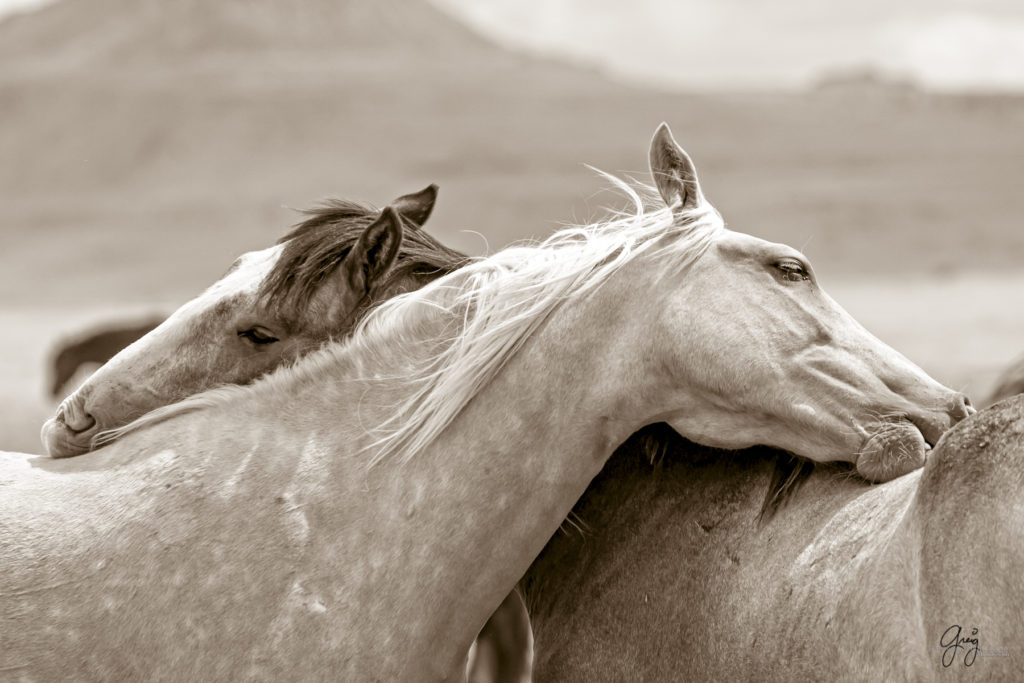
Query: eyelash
column 256, row 338
column 789, row 269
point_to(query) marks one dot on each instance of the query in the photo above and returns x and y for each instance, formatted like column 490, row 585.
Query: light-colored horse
column 325, row 518
column 920, row 578
column 272, row 306
column 314, row 285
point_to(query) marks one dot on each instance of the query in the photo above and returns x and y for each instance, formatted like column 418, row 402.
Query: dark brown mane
column 314, row 248
column 331, row 212
column 788, row 475
column 789, row 472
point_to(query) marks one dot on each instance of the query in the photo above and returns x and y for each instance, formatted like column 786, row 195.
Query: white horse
column 360, row 514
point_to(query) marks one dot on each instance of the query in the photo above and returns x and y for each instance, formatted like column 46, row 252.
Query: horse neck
column 531, row 439
column 438, row 538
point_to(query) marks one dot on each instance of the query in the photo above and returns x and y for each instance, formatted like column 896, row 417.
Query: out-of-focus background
column 146, row 143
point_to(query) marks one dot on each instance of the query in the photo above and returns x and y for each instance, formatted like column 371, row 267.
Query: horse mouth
column 61, row 441
column 893, row 449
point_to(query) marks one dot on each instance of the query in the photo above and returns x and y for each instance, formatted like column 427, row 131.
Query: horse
column 322, row 519
column 678, row 577
column 95, row 347
column 1011, row 382
column 271, row 307
column 338, row 260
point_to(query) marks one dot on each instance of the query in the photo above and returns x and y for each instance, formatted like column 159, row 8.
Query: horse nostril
column 86, row 423
column 961, row 407
column 76, row 420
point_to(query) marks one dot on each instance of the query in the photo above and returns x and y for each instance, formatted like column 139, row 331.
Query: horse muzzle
column 901, row 444
column 70, row 432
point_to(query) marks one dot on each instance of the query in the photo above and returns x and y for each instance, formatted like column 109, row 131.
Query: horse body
column 199, row 569
column 676, row 579
column 203, row 568
column 149, row 579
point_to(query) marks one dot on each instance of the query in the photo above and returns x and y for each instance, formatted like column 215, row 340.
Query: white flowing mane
column 447, row 341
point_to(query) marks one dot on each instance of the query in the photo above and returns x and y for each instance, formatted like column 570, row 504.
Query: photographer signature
column 953, row 640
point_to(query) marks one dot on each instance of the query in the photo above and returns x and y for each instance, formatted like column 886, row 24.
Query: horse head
column 767, row 357
column 270, row 307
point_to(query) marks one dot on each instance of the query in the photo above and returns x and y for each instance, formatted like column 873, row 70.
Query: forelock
column 313, row 249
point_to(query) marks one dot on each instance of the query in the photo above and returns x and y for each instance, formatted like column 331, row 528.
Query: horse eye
column 792, row 271
column 257, row 336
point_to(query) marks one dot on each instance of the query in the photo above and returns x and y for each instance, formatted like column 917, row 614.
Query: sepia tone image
column 511, row 340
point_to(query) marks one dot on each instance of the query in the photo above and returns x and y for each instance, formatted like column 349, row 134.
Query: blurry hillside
column 146, row 143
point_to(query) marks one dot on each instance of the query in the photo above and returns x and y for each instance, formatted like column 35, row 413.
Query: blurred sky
column 741, row 44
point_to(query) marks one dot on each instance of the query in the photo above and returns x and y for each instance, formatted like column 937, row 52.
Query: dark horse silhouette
column 96, row 346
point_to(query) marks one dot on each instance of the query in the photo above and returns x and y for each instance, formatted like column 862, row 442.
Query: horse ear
column 373, row 253
column 416, row 207
column 673, row 171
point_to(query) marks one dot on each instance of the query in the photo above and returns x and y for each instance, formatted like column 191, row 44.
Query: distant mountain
column 111, row 88
column 866, row 81
column 120, row 34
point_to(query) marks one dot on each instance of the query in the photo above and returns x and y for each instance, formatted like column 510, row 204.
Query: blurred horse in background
column 95, row 347
column 374, row 491
column 1010, row 383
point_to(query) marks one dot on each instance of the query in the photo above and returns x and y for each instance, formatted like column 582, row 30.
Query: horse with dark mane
column 271, row 307
column 681, row 572
column 306, row 258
